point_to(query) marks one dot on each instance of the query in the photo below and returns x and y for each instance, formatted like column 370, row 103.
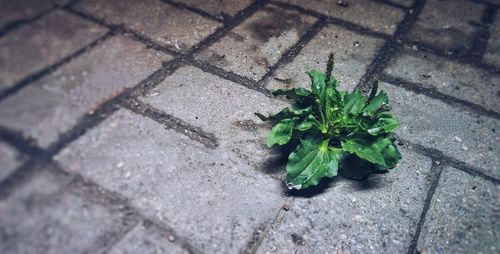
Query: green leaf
column 296, row 94
column 379, row 151
column 385, row 124
column 281, row 132
column 285, row 113
column 311, row 161
column 377, row 102
column 354, row 103
column 309, row 122
column 317, row 82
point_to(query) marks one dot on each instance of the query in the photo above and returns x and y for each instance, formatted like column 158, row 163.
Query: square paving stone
column 175, row 28
column 203, row 195
column 146, row 238
column 19, row 10
column 379, row 17
column 353, row 53
column 377, row 215
column 221, row 107
column 258, row 43
column 10, row 160
column 448, row 24
column 492, row 54
column 37, row 45
column 465, row 136
column 464, row 216
column 44, row 216
column 218, row 8
column 54, row 104
column 458, row 80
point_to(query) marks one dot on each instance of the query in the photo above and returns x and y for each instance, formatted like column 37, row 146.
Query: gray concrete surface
column 129, row 126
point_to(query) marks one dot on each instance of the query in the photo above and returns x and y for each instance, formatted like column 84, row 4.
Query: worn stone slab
column 10, row 160
column 458, row 80
column 457, row 132
column 220, row 8
column 35, row 46
column 175, row 28
column 407, row 3
column 448, row 25
column 492, row 53
column 16, row 11
column 353, row 53
column 221, row 107
column 257, row 44
column 44, row 216
column 77, row 88
column 206, row 196
column 464, row 216
column 377, row 215
column 147, row 238
column 376, row 16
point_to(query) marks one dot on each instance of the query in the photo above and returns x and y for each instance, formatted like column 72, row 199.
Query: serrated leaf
column 281, row 133
column 379, row 151
column 311, row 161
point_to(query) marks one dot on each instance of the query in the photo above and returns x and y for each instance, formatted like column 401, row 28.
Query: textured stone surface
column 207, row 196
column 220, row 107
column 34, row 46
column 407, row 3
column 448, row 24
column 377, row 215
column 458, row 133
column 19, row 10
column 77, row 88
column 455, row 79
column 464, row 216
column 45, row 216
column 353, row 54
column 146, row 238
column 219, row 8
column 254, row 46
column 376, row 16
column 10, row 160
column 492, row 54
column 178, row 29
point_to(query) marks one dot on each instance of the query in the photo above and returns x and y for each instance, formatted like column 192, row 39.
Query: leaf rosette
column 331, row 127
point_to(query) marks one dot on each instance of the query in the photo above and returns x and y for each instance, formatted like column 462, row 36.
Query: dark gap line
column 171, row 122
column 183, row 6
column 18, row 177
column 18, row 23
column 48, row 70
column 291, row 53
column 437, row 155
column 433, row 93
column 430, row 194
column 24, row 145
column 481, row 41
column 393, row 4
column 388, row 50
column 486, row 2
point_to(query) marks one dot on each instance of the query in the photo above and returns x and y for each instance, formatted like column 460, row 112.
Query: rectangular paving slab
column 10, row 159
column 20, row 10
column 223, row 108
column 175, row 28
column 353, row 53
column 455, row 79
column 35, row 46
column 206, row 196
column 492, row 54
column 456, row 132
column 464, row 216
column 377, row 215
column 257, row 44
column 44, row 215
column 77, row 88
column 220, row 8
column 448, row 26
column 378, row 17
column 147, row 238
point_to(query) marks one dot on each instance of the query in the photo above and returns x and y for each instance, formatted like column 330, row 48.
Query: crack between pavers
column 430, row 194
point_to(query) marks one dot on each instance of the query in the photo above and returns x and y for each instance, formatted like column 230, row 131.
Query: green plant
column 333, row 129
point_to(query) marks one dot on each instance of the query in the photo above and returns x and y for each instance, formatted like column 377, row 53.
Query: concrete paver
column 78, row 88
column 220, row 8
column 11, row 159
column 492, row 54
column 172, row 27
column 257, row 44
column 16, row 11
column 35, row 46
